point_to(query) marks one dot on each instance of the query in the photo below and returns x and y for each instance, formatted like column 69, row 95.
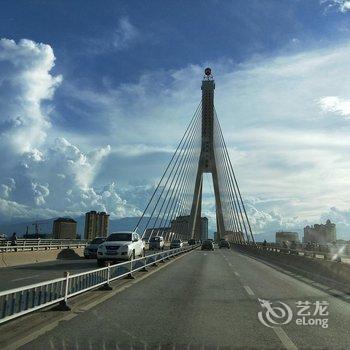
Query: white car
column 120, row 246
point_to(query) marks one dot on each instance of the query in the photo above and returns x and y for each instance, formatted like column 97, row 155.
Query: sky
column 94, row 97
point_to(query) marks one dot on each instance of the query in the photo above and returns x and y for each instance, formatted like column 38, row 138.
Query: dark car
column 176, row 243
column 191, row 241
column 224, row 244
column 90, row 251
column 156, row 243
column 207, row 245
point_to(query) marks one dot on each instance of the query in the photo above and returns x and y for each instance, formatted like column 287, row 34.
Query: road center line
column 236, row 273
column 286, row 341
column 248, row 290
column 24, row 278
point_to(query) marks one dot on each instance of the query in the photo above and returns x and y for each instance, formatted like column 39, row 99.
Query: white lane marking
column 248, row 290
column 229, row 264
column 236, row 273
column 286, row 341
column 24, row 278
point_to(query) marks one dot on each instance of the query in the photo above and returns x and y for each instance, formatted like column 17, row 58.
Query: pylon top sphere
column 207, row 71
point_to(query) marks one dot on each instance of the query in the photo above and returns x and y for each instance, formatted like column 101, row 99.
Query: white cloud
column 74, row 163
column 43, row 175
column 40, row 192
column 125, row 34
column 25, row 82
column 336, row 105
column 7, row 187
column 340, row 5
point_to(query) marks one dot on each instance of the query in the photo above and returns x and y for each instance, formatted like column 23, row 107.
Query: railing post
column 107, row 285
column 144, row 264
column 130, row 275
column 63, row 305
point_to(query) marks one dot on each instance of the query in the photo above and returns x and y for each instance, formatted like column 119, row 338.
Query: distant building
column 64, row 228
column 181, row 226
column 285, row 236
column 320, row 233
column 96, row 224
column 204, row 228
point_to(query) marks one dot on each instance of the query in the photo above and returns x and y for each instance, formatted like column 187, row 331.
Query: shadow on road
column 68, row 266
column 68, row 254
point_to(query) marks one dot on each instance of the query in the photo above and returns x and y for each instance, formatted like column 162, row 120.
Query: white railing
column 40, row 244
column 20, row 301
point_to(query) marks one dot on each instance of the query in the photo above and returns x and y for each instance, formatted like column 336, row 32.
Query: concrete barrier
column 32, row 257
column 319, row 270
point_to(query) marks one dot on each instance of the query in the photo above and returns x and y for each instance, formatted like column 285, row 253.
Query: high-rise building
column 96, row 224
column 204, row 228
column 64, row 228
column 320, row 233
column 181, row 226
column 102, row 224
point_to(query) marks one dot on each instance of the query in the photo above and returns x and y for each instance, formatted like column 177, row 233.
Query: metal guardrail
column 319, row 248
column 336, row 254
column 20, row 301
column 41, row 244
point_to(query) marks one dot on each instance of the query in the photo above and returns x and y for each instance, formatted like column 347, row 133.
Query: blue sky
column 95, row 95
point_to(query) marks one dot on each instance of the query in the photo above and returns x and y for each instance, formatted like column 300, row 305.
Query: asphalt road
column 203, row 300
column 22, row 275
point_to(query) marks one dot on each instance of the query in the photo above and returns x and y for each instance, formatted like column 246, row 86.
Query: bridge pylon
column 207, row 162
column 174, row 209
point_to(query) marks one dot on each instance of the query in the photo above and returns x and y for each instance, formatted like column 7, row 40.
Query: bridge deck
column 208, row 298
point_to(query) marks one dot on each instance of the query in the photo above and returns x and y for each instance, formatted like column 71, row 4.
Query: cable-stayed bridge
column 174, row 210
column 252, row 296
